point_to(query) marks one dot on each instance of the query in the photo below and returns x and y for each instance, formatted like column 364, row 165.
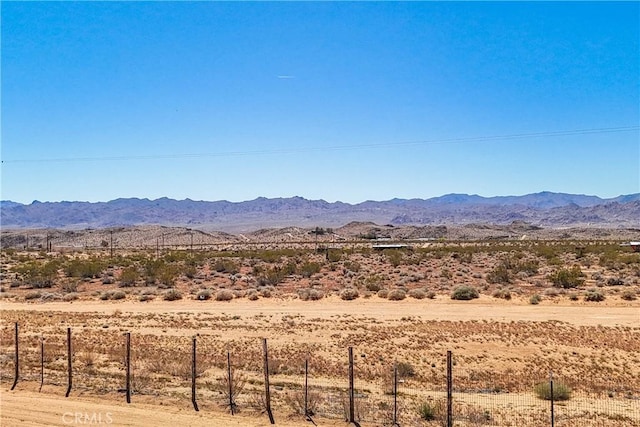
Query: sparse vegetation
column 560, row 391
column 465, row 293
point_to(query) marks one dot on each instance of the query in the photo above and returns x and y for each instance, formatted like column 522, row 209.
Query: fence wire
column 230, row 375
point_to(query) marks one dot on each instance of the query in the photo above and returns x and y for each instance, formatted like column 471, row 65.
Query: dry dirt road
column 32, row 409
column 484, row 308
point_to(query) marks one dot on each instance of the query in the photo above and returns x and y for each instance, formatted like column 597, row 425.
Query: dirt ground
column 330, row 323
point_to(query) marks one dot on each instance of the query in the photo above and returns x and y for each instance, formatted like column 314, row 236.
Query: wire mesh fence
column 230, row 376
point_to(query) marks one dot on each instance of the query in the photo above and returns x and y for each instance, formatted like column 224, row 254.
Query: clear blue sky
column 331, row 100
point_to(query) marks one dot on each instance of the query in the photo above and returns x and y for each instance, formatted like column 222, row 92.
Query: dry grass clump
column 465, row 293
column 502, row 293
column 113, row 295
column 594, row 295
column 171, row 295
column 349, row 294
column 535, row 299
column 224, row 295
column 417, row 293
column 307, row 294
column 396, row 295
column 628, row 295
column 203, row 295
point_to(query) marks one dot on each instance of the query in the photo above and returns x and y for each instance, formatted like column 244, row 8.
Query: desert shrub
column 296, row 401
column 38, row 275
column 396, row 295
column 535, row 299
column 431, row 295
column 560, row 391
column 116, row 295
column 383, row 293
column 417, row 294
column 69, row 287
column 171, row 295
column 252, row 295
column 334, row 255
column 594, row 295
column 349, row 294
column 405, row 370
column 108, row 280
column 225, row 266
column 146, row 297
column 84, row 268
column 224, row 295
column 615, row 281
column 502, row 293
column 308, row 294
column 70, row 296
column 573, row 296
column 352, row 266
column 32, row 295
column 112, row 295
column 465, row 293
column 203, row 295
column 628, row 295
column 429, row 411
column 128, row 277
column 567, row 278
column 308, row 269
column 500, row 275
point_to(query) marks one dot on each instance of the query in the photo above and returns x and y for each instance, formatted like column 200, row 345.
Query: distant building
column 390, row 246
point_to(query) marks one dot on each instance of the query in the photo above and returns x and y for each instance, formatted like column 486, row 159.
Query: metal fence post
column 449, row 389
column 17, row 360
column 351, row 389
column 128, row 362
column 553, row 418
column 267, row 393
column 41, row 363
column 395, row 394
column 230, row 379
column 69, row 363
column 193, row 376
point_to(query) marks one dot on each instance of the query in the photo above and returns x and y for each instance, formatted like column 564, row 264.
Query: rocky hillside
column 541, row 209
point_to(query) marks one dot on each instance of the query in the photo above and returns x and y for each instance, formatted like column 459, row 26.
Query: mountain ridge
column 544, row 208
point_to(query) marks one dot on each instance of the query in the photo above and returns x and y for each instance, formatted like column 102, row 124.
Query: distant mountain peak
column 543, row 208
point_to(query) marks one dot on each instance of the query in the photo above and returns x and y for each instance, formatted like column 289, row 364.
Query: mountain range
column 545, row 209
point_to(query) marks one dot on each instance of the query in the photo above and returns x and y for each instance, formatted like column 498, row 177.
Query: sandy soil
column 32, row 409
column 484, row 308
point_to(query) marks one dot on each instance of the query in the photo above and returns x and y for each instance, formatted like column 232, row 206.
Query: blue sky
column 327, row 100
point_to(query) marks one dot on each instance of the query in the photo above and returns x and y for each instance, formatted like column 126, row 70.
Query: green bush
column 567, row 278
column 129, row 276
column 432, row 411
column 500, row 275
column 560, row 391
column 464, row 293
column 628, row 295
column 84, row 268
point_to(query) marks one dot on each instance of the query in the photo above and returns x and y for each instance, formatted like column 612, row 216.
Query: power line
column 465, row 140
